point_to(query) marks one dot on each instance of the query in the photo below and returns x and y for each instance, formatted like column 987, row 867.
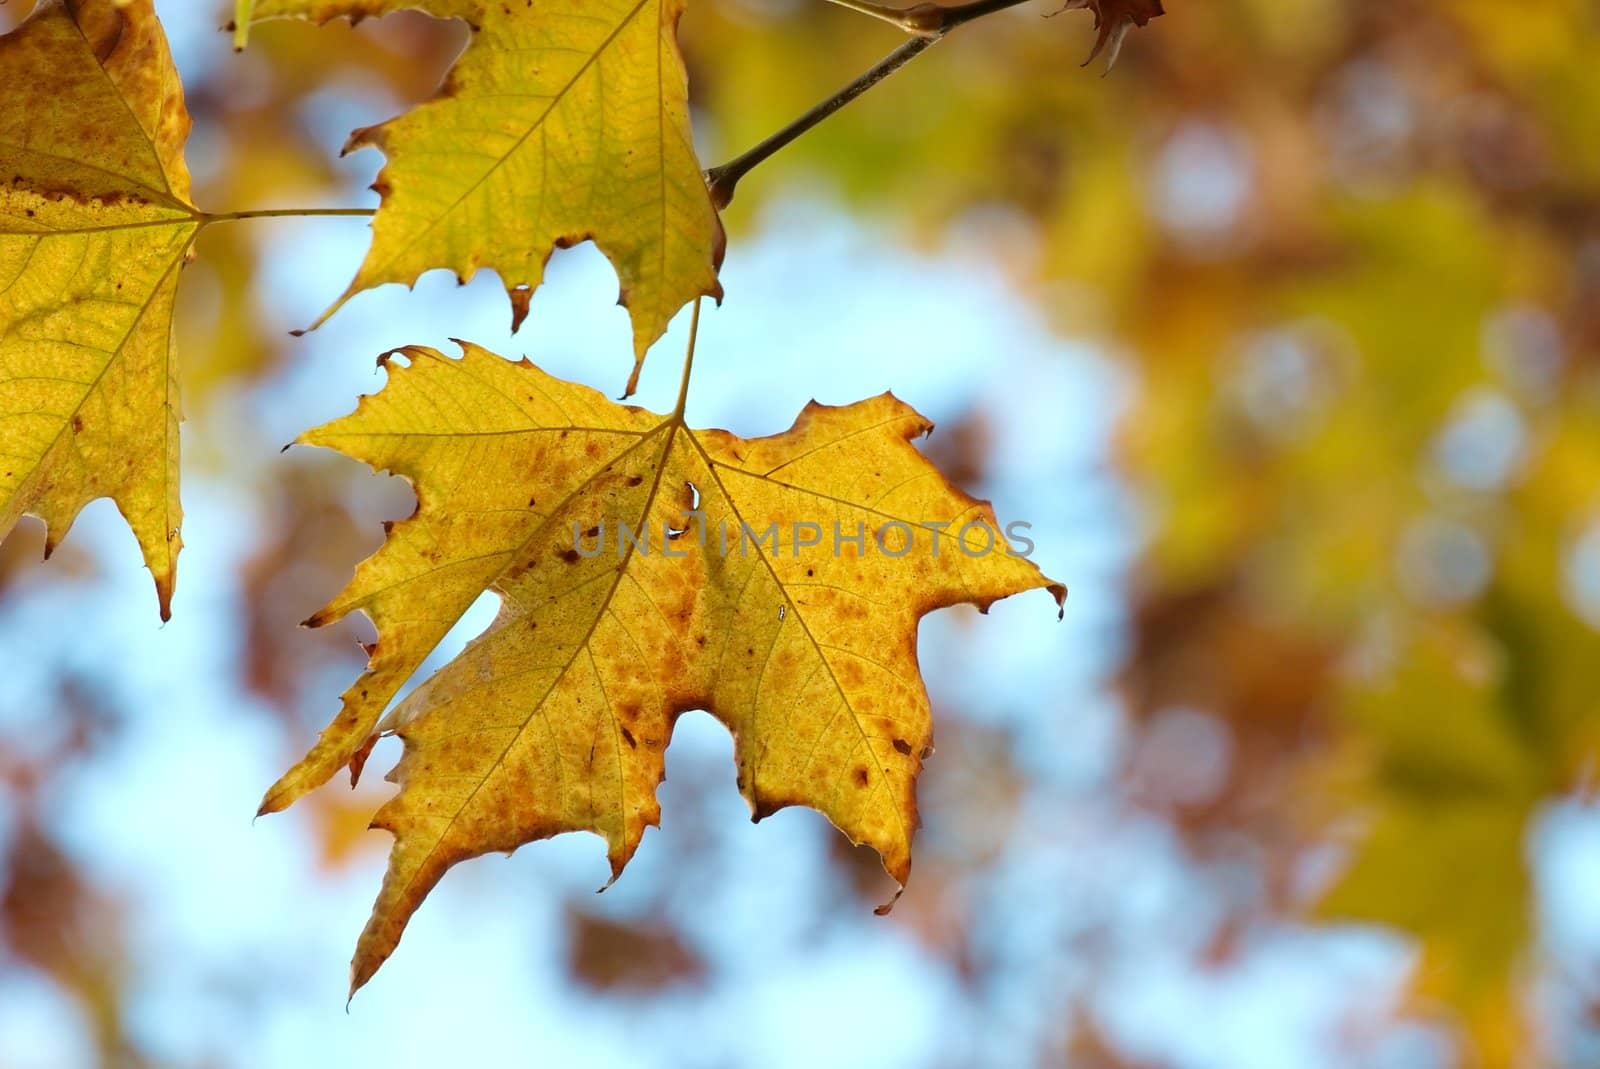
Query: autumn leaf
column 557, row 718
column 1443, row 857
column 1114, row 19
column 95, row 222
column 563, row 121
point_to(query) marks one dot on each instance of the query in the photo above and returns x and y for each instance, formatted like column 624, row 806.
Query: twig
column 928, row 23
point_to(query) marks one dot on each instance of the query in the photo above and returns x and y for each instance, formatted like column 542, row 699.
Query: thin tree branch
column 722, row 180
column 928, row 23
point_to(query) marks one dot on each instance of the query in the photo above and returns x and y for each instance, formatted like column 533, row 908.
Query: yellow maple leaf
column 563, row 121
column 749, row 606
column 95, row 222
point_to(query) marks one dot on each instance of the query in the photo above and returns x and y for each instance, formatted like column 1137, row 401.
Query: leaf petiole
column 207, row 218
column 688, row 363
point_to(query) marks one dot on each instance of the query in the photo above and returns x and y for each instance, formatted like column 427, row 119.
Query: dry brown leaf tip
column 557, row 718
column 1114, row 19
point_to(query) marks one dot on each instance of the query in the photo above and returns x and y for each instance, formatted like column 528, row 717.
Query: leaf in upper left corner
column 95, row 222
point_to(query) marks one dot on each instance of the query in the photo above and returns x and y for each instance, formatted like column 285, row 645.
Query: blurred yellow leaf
column 1450, row 793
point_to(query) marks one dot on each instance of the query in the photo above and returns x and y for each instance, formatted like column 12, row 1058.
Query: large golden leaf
column 95, row 222
column 563, row 121
column 556, row 719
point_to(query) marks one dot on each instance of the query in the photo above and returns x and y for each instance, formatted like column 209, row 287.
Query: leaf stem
column 895, row 16
column 928, row 19
column 928, row 23
column 281, row 213
column 948, row 18
column 688, row 363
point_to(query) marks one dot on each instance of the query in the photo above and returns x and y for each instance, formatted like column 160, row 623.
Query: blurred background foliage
column 1346, row 255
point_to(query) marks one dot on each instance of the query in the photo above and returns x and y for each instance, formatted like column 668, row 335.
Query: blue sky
column 242, row 940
